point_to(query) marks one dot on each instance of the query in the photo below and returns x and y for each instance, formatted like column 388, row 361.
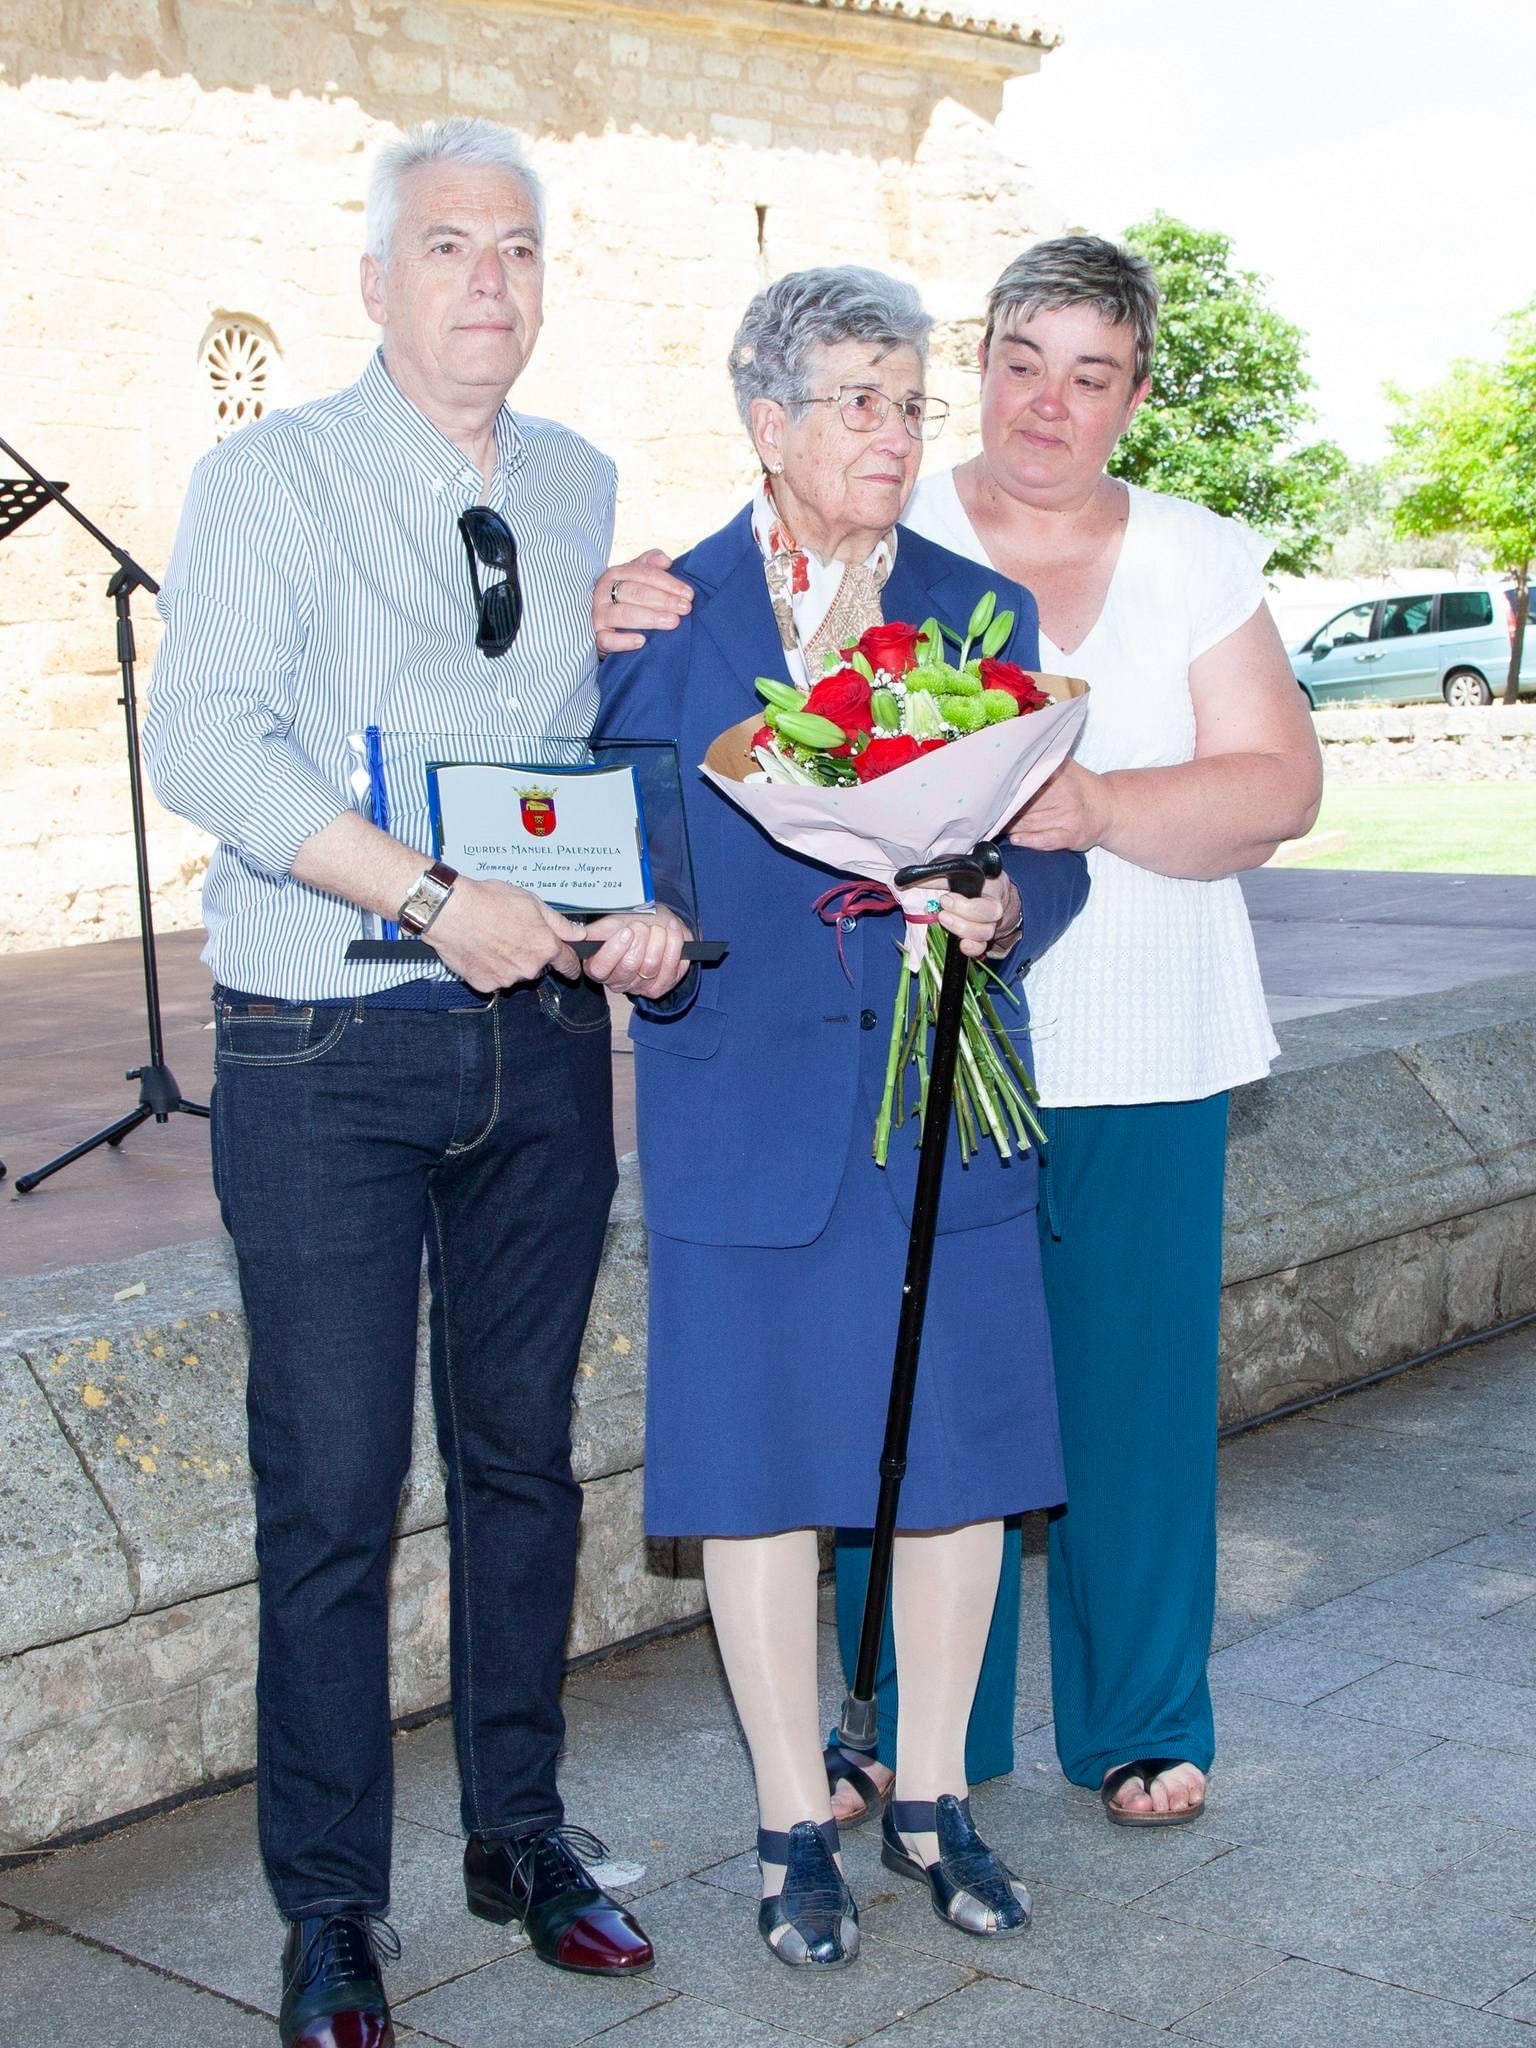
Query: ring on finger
column 613, row 590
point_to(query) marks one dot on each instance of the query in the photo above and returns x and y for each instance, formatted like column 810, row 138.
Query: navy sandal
column 815, row 1910
column 1146, row 1768
column 970, row 1886
column 850, row 1767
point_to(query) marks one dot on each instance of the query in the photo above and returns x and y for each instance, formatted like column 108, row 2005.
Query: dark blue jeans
column 345, row 1138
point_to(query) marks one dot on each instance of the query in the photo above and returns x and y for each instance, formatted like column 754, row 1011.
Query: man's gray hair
column 1081, row 270
column 816, row 309
column 475, row 145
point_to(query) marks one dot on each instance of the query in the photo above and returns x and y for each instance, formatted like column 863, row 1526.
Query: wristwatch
column 1003, row 943
column 421, row 908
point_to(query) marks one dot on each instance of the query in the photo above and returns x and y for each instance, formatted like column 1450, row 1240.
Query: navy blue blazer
column 750, row 1090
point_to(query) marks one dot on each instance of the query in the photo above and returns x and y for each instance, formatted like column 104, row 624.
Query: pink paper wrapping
column 941, row 803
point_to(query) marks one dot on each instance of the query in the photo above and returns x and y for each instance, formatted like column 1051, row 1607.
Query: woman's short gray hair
column 814, row 309
column 476, row 145
column 1082, row 270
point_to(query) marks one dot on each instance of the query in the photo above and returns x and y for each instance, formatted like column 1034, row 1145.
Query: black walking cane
column 965, row 874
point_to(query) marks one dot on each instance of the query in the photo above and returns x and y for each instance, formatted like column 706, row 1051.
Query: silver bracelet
column 1004, row 942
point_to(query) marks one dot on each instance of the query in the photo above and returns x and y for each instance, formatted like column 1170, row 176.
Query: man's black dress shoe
column 333, row 1993
column 540, row 1880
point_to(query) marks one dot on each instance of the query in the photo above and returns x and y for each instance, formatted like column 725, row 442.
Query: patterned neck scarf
column 819, row 606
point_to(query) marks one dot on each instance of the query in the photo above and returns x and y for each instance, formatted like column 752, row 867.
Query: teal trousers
column 1131, row 1241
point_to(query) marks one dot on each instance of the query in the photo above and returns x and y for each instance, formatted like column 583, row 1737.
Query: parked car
column 1410, row 650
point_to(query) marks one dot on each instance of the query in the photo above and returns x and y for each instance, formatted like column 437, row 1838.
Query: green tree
column 1369, row 544
column 1466, row 449
column 1228, row 401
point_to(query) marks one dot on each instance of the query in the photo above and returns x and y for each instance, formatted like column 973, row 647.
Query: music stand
column 19, row 499
column 159, row 1096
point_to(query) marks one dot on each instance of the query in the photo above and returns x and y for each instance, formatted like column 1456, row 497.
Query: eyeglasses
column 498, row 606
column 865, row 410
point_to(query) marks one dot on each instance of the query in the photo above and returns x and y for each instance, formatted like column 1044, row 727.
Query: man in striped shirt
column 342, row 566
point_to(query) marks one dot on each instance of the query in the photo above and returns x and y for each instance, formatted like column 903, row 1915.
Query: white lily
column 779, row 768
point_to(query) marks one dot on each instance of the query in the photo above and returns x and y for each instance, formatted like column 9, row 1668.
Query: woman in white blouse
column 1197, row 759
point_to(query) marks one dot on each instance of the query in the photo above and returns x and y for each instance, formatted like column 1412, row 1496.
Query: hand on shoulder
column 636, row 598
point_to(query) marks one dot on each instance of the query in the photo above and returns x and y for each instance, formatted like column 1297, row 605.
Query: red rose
column 1018, row 682
column 763, row 737
column 893, row 751
column 893, row 648
column 843, row 697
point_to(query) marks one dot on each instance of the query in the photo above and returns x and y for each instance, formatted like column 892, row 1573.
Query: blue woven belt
column 426, row 995
column 406, row 995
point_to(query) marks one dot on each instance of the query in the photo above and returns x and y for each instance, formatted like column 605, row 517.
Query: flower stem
column 994, row 1091
column 893, row 1064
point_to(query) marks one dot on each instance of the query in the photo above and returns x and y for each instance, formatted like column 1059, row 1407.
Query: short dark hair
column 1082, row 270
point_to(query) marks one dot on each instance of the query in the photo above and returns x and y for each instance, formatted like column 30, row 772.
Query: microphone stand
column 159, row 1095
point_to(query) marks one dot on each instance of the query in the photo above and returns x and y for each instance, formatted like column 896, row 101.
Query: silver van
column 1410, row 650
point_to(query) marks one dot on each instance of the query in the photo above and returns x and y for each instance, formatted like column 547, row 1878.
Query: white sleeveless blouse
column 1152, row 994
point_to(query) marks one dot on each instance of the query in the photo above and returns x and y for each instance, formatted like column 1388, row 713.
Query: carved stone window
column 239, row 360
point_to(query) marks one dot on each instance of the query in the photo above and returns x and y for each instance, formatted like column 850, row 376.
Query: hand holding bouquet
column 899, row 756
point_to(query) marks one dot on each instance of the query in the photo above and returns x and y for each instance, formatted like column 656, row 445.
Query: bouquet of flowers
column 900, row 755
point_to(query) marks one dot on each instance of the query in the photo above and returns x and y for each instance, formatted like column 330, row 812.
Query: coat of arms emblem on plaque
column 537, row 807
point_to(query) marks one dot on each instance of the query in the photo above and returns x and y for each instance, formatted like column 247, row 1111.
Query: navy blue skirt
column 770, row 1369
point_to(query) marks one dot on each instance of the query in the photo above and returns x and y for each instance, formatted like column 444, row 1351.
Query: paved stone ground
column 1365, row 1878
column 1333, row 939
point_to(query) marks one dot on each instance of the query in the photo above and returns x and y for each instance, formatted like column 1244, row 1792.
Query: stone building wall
column 180, row 175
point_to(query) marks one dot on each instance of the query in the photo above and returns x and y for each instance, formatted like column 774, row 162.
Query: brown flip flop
column 1145, row 1768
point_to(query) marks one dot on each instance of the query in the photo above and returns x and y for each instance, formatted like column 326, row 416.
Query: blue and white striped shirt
column 319, row 586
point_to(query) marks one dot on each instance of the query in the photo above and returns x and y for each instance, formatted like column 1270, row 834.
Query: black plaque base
column 708, row 952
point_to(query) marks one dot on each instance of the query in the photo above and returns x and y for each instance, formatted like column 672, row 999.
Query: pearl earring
column 775, row 469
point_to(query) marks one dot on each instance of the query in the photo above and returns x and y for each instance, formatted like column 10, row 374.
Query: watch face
column 423, row 903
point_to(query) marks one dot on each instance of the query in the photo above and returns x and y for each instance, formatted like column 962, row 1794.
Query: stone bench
column 1381, row 1197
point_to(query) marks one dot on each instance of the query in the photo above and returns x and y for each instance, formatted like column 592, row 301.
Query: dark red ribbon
column 853, row 900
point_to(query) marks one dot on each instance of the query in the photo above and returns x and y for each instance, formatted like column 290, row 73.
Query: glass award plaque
column 591, row 829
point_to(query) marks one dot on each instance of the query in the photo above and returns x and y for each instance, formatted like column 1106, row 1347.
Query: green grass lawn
column 1444, row 828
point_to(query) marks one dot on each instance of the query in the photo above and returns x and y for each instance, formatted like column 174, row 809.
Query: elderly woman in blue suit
column 777, row 1245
